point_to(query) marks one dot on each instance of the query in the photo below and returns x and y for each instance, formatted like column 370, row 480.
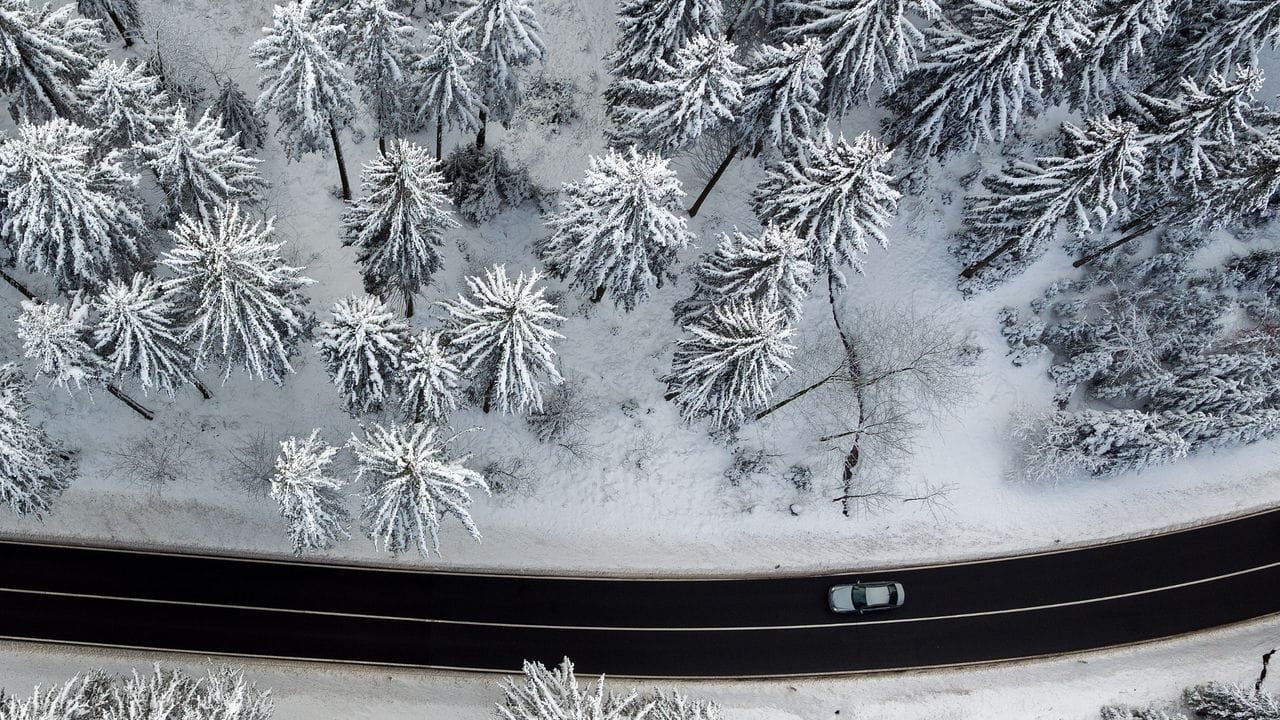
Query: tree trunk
column 488, row 394
column 484, row 120
column 133, row 404
column 408, row 305
column 439, row 136
column 115, row 19
column 203, row 390
column 342, row 165
column 715, row 177
column 17, row 285
column 981, row 265
column 1112, row 246
column 855, row 377
column 382, row 146
column 598, row 294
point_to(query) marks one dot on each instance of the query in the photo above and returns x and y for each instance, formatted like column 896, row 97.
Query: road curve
column 982, row 611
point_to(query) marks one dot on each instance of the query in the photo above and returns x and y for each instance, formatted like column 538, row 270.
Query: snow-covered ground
column 1069, row 688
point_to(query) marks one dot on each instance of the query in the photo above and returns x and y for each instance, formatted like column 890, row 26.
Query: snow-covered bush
column 482, row 183
column 34, row 470
column 500, row 339
column 361, row 349
column 550, row 101
column 311, row 501
column 411, row 483
column 1228, row 701
column 543, row 693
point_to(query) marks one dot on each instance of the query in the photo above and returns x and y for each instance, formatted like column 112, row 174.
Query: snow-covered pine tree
column 125, row 105
column 240, row 119
column 1106, row 442
column 66, row 212
column 137, row 333
column 411, row 483
column 1010, row 225
column 618, row 229
column 429, row 380
column 165, row 693
column 198, row 167
column 864, row 43
column 699, row 93
column 504, row 35
column 835, row 199
column 728, row 364
column 361, row 348
column 770, row 270
column 1234, row 34
column 243, row 302
column 311, row 501
column 305, row 83
column 56, row 337
column 226, row 695
column 33, row 468
column 555, row 693
column 443, row 92
column 650, row 34
column 378, row 48
column 45, row 52
column 83, row 696
column 779, row 109
column 1229, row 701
column 983, row 66
column 675, row 705
column 398, row 225
column 500, row 339
column 1246, row 188
column 1124, row 34
column 121, row 15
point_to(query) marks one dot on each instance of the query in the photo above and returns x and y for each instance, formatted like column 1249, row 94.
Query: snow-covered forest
column 371, row 277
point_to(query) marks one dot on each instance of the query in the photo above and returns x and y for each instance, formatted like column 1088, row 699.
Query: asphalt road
column 984, row 611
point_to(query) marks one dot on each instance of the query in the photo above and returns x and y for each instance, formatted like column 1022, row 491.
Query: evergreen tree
column 504, row 34
column 700, row 92
column 125, row 105
column 1123, row 35
column 1228, row 701
column 770, row 271
column 411, row 483
column 240, row 120
column 983, row 66
column 122, row 15
column 500, row 339
column 430, row 380
column 1246, row 189
column 555, row 693
column 398, row 226
column 444, row 93
column 1234, row 35
column 55, row 337
column 618, row 229
column 34, row 470
column 835, row 199
column 304, row 83
column 482, row 183
column 45, row 53
column 66, row 213
column 311, row 501
column 361, row 348
column 379, row 51
column 244, row 304
column 779, row 106
column 1010, row 225
column 864, row 43
column 198, row 167
column 1106, row 442
column 137, row 333
column 727, row 366
column 676, row 706
column 650, row 35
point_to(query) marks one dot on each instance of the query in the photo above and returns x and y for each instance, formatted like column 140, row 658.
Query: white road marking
column 606, row 628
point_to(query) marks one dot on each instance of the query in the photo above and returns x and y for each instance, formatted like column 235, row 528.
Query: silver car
column 861, row 597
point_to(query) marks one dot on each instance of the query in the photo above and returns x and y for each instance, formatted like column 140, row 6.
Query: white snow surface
column 640, row 492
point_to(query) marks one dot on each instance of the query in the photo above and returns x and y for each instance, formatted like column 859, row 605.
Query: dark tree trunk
column 484, row 120
column 133, row 404
column 408, row 305
column 382, row 146
column 598, row 294
column 855, row 381
column 439, row 136
column 17, row 285
column 203, row 390
column 1112, row 246
column 982, row 264
column 342, row 165
column 715, row 177
column 488, row 394
column 115, row 19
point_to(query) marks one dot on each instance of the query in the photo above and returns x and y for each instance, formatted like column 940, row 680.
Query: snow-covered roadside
column 1069, row 688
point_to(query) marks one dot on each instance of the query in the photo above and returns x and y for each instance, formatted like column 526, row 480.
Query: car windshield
column 859, row 596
